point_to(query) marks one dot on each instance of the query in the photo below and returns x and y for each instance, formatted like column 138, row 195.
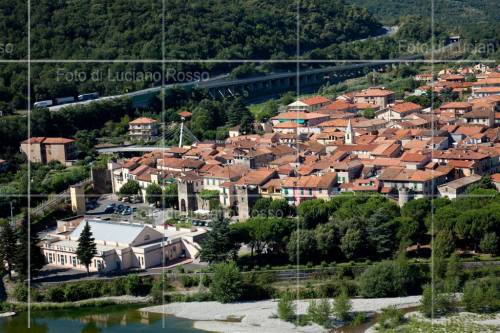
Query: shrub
column 391, row 317
column 482, row 295
column 205, row 280
column 333, row 288
column 389, row 279
column 438, row 302
column 286, row 307
column 74, row 292
column 55, row 294
column 359, row 319
column 319, row 313
column 21, row 292
column 187, row 281
column 226, row 285
column 136, row 286
column 118, row 287
column 342, row 306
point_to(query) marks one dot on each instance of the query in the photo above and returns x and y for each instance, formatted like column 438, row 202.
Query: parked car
column 119, row 208
column 136, row 199
column 91, row 205
column 109, row 210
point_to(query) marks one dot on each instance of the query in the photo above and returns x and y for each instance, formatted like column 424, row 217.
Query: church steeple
column 349, row 134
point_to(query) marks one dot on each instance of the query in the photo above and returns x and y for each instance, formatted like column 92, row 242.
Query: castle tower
column 349, row 134
column 77, row 194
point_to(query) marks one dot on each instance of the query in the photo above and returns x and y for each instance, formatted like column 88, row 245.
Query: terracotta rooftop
column 315, row 100
column 374, row 92
column 256, row 177
column 46, row 140
column 298, row 115
column 456, row 105
column 143, row 121
column 406, row 107
column 325, row 181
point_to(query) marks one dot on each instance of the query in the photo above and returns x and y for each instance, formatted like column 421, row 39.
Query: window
column 73, row 259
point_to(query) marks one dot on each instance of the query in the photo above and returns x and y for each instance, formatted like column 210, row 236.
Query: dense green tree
column 261, row 207
column 130, row 188
column 218, row 245
column 280, row 208
column 482, row 295
column 490, row 243
column 313, row 212
column 352, row 243
column 389, row 279
column 8, row 242
column 259, row 233
column 154, row 194
column 443, row 244
column 226, row 286
column 453, row 275
column 327, row 239
column 85, row 142
column 302, row 245
column 170, row 196
column 87, row 248
column 369, row 113
column 36, row 258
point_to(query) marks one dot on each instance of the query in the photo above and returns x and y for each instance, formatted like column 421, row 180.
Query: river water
column 113, row 319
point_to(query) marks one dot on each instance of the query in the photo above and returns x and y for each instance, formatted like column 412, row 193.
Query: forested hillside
column 194, row 29
column 476, row 19
column 132, row 29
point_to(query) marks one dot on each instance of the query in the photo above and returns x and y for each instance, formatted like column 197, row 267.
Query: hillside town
column 312, row 166
column 318, row 148
column 327, row 182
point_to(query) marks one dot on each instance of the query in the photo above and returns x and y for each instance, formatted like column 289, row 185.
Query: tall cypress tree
column 218, row 245
column 86, row 249
column 37, row 260
column 8, row 241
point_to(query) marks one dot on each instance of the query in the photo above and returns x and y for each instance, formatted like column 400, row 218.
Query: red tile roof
column 46, row 140
column 143, row 121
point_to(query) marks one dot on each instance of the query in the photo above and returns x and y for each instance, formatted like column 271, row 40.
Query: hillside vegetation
column 132, row 29
column 476, row 21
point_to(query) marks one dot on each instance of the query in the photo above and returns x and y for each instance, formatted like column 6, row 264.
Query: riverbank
column 94, row 302
column 260, row 316
column 456, row 322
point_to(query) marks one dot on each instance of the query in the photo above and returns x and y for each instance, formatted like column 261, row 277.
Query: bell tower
column 349, row 134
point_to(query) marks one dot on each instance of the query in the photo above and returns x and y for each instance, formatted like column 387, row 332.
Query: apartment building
column 143, row 129
column 45, row 150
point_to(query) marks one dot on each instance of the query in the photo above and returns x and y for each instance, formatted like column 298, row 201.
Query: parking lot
column 109, row 207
